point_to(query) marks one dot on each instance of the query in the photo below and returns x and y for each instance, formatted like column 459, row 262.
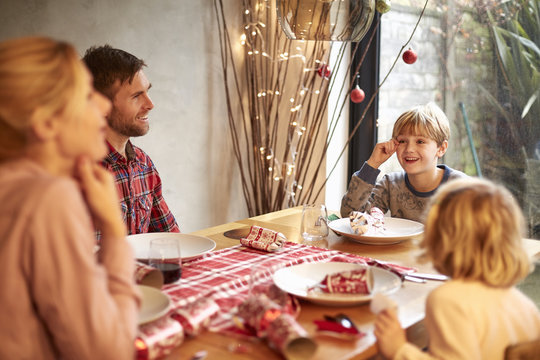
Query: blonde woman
column 58, row 298
column 473, row 233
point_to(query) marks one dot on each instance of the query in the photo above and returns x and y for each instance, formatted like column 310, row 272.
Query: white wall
column 338, row 180
column 188, row 139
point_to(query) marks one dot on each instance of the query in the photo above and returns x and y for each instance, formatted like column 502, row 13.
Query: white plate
column 395, row 230
column 297, row 279
column 154, row 304
column 191, row 246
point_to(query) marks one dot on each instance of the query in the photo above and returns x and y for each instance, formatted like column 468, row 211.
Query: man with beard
column 119, row 76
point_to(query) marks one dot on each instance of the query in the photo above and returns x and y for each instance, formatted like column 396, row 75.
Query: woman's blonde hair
column 35, row 73
column 425, row 120
column 474, row 231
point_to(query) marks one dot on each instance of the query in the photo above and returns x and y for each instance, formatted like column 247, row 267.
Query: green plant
column 518, row 55
column 516, row 39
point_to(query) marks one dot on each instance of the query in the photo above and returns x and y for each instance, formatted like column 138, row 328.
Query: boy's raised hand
column 382, row 152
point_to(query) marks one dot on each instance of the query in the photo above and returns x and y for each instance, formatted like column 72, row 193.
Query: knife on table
column 425, row 276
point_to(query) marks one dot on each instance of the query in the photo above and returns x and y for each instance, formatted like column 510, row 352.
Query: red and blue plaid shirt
column 139, row 186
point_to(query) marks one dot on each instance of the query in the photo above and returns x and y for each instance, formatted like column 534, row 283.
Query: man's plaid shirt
column 139, row 186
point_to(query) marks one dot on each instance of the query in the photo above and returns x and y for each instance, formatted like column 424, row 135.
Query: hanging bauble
column 410, row 56
column 324, row 71
column 357, row 95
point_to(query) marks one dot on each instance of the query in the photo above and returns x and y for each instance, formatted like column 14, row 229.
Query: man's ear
column 44, row 124
column 442, row 149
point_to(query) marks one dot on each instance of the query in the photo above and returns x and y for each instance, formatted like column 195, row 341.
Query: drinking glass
column 165, row 255
column 314, row 226
column 261, row 275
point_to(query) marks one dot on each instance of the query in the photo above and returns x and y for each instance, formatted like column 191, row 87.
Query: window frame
column 365, row 138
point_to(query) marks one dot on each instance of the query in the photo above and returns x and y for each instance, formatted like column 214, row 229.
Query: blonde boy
column 419, row 139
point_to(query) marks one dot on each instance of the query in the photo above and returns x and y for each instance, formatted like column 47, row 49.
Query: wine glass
column 165, row 255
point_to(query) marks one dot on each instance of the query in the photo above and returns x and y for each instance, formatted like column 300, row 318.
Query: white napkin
column 380, row 302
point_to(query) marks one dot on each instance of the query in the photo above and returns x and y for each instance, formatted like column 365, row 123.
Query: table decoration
column 357, row 281
column 158, row 338
column 362, row 222
column 291, row 339
column 269, row 320
column 263, row 239
column 196, row 317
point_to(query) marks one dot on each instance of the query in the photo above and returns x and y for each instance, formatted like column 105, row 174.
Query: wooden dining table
column 410, row 298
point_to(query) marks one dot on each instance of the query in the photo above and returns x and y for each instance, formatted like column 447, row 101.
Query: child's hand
column 382, row 152
column 390, row 335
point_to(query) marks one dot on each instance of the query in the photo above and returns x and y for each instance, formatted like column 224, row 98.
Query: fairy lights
column 296, row 108
column 270, row 57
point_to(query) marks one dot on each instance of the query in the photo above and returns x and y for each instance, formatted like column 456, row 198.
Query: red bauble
column 324, row 71
column 410, row 56
column 357, row 95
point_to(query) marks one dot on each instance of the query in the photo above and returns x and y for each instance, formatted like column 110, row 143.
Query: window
column 479, row 61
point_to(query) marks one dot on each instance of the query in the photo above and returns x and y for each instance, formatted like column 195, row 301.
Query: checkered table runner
column 223, row 276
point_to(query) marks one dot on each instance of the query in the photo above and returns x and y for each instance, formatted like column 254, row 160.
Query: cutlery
column 413, row 279
column 425, row 276
column 342, row 320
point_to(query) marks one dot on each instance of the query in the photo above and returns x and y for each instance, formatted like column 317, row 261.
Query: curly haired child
column 473, row 234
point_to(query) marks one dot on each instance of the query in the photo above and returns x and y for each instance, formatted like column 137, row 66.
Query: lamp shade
column 330, row 20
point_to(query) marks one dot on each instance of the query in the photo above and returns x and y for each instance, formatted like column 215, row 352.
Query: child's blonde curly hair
column 474, row 231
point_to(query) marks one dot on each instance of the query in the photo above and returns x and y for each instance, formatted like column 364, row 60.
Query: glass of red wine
column 165, row 255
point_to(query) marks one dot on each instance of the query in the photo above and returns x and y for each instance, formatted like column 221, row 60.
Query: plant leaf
column 530, row 102
column 526, row 43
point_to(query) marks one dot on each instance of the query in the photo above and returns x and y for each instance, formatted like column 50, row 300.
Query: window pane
column 479, row 61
